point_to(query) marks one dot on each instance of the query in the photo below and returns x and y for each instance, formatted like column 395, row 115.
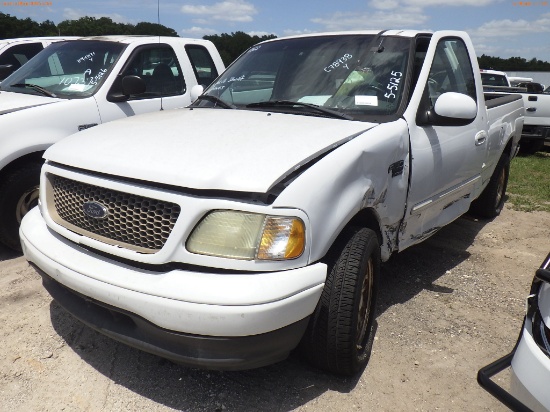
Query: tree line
column 12, row 27
column 513, row 64
column 230, row 46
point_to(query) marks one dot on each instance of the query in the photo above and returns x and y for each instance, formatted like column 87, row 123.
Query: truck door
column 159, row 67
column 446, row 160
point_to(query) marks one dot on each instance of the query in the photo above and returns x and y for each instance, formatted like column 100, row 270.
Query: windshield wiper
column 289, row 103
column 216, row 100
column 36, row 87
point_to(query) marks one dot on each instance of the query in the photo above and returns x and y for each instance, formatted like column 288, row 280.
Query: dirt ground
column 447, row 307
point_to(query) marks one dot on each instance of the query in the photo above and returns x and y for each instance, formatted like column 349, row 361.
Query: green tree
column 153, row 29
column 11, row 26
column 48, row 28
column 90, row 26
column 233, row 45
column 513, row 64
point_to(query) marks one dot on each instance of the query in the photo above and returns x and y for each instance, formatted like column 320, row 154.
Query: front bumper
column 141, row 307
column 220, row 353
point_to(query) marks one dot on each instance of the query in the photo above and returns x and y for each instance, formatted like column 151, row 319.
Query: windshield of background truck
column 491, row 79
column 355, row 75
column 72, row 69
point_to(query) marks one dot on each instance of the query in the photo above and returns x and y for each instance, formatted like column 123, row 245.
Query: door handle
column 531, row 109
column 481, row 138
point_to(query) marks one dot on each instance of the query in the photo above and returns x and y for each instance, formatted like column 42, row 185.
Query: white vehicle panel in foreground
column 531, row 372
column 530, row 358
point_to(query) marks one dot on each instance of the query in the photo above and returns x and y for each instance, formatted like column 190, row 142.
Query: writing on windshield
column 351, row 74
column 68, row 69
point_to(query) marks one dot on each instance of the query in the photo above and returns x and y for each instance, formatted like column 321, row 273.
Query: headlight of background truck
column 242, row 235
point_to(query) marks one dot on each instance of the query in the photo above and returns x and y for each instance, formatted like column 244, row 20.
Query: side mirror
column 196, row 91
column 6, row 70
column 131, row 85
column 450, row 109
column 456, row 106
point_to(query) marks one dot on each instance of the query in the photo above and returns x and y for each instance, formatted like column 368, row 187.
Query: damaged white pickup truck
column 227, row 234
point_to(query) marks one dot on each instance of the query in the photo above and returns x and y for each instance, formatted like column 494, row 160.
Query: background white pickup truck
column 536, row 126
column 537, row 121
column 263, row 226
column 72, row 86
column 16, row 52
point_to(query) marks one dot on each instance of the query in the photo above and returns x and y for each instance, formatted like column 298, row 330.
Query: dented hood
column 236, row 150
column 13, row 102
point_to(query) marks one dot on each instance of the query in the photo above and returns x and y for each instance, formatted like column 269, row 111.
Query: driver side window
column 158, row 66
column 451, row 70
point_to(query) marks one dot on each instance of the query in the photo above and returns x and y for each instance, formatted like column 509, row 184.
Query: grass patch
column 529, row 183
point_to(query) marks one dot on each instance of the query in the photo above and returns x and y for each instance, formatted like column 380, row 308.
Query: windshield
column 72, row 69
column 353, row 75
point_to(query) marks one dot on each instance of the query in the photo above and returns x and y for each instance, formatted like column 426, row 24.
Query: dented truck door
column 447, row 154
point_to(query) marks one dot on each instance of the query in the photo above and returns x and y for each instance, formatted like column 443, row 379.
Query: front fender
column 36, row 128
column 355, row 176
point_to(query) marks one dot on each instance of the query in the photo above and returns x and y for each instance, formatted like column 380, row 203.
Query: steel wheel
column 365, row 306
column 26, row 203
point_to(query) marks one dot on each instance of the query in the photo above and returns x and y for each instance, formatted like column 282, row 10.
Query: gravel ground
column 447, row 307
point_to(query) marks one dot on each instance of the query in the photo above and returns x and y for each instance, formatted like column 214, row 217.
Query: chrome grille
column 136, row 222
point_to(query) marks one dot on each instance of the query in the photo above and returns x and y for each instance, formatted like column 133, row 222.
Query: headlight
column 241, row 235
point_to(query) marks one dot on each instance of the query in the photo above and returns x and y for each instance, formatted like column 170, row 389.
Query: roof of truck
column 143, row 39
column 34, row 39
column 403, row 33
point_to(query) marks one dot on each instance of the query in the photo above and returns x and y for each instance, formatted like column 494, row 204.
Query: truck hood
column 216, row 149
column 12, row 102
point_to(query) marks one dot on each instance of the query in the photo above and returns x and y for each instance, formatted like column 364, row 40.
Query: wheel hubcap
column 364, row 306
column 26, row 203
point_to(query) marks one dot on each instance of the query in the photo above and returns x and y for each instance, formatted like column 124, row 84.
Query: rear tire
column 18, row 194
column 340, row 334
column 491, row 201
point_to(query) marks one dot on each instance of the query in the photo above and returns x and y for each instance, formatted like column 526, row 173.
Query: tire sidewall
column 15, row 185
column 503, row 165
column 372, row 251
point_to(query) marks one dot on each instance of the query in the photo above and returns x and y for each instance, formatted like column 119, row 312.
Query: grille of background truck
column 135, row 222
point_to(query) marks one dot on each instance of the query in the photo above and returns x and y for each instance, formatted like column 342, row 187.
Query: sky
column 500, row 28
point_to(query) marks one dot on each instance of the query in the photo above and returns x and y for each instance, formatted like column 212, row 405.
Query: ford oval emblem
column 95, row 210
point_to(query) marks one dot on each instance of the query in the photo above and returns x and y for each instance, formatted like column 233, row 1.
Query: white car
column 530, row 358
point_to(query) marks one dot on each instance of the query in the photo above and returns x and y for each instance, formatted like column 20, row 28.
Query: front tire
column 18, row 194
column 491, row 201
column 340, row 334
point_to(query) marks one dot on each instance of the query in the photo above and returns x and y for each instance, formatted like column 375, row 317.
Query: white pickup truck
column 74, row 85
column 537, row 120
column 536, row 126
column 226, row 234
